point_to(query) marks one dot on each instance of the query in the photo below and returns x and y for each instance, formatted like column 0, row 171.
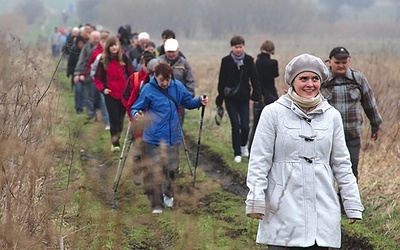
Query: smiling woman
column 297, row 157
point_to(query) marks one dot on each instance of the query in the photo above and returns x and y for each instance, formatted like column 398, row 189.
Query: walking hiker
column 182, row 70
column 80, row 73
column 346, row 89
column 160, row 98
column 298, row 157
column 79, row 90
column 91, row 67
column 267, row 70
column 236, row 70
column 55, row 42
column 112, row 72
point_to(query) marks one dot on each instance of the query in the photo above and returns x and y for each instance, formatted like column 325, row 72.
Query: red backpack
column 131, row 92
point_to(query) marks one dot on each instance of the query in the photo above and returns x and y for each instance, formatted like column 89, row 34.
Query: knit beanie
column 303, row 63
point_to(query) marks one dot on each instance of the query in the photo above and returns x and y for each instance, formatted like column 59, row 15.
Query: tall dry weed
column 28, row 112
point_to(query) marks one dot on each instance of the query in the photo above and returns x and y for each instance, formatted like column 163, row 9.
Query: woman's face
column 238, row 49
column 114, row 48
column 307, row 84
column 162, row 81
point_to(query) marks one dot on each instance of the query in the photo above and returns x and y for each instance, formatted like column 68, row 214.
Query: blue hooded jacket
column 162, row 112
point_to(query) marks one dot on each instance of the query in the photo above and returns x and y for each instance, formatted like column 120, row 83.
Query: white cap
column 171, row 44
column 143, row 35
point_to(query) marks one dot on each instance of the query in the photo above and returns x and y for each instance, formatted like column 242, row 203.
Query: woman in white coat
column 298, row 154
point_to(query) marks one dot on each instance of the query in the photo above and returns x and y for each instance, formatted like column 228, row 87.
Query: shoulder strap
column 167, row 95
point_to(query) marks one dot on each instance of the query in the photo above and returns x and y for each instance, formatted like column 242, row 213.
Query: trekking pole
column 187, row 153
column 122, row 158
column 198, row 142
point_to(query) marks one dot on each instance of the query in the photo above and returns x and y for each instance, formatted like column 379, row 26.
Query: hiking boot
column 245, row 151
column 157, row 210
column 115, row 148
column 238, row 159
column 168, row 201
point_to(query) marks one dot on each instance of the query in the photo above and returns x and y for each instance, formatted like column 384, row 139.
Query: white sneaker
column 238, row 159
column 157, row 211
column 245, row 151
column 107, row 127
column 168, row 201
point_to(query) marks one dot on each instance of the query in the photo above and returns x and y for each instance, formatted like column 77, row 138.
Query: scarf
column 307, row 104
column 238, row 59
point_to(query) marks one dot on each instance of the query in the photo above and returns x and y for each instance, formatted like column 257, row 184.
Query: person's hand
column 351, row 221
column 257, row 216
column 374, row 135
column 204, row 100
column 107, row 91
column 138, row 115
column 81, row 77
column 76, row 79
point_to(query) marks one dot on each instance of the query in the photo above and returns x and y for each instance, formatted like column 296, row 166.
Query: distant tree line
column 209, row 18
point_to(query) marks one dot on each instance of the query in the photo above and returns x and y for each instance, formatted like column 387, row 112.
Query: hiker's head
column 237, row 45
column 145, row 59
column 163, row 74
column 339, row 60
column 171, row 47
column 268, row 47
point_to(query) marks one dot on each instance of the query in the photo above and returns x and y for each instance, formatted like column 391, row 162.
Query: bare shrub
column 28, row 111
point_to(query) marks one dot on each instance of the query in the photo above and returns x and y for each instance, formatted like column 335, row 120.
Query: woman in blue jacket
column 160, row 98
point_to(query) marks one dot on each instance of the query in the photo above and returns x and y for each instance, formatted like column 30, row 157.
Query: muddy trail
column 101, row 172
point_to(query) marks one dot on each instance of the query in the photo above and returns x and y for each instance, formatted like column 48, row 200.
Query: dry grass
column 28, row 110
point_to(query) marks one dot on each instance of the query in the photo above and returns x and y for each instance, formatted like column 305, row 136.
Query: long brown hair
column 106, row 58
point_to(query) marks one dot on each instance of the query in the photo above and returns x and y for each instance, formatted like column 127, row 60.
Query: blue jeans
column 91, row 91
column 55, row 50
column 80, row 96
column 239, row 114
column 103, row 108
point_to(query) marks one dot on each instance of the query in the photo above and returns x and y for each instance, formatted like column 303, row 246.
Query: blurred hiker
column 182, row 70
column 346, row 89
column 55, row 42
column 135, row 83
column 90, row 69
column 165, row 35
column 112, row 72
column 80, row 72
column 161, row 98
column 298, row 157
column 136, row 53
column 79, row 90
column 236, row 70
column 267, row 69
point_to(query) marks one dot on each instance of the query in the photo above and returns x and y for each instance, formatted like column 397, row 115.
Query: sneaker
column 168, row 201
column 157, row 211
column 115, row 148
column 238, row 159
column 107, row 127
column 245, row 151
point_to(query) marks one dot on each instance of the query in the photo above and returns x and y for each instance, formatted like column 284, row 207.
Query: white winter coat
column 294, row 162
